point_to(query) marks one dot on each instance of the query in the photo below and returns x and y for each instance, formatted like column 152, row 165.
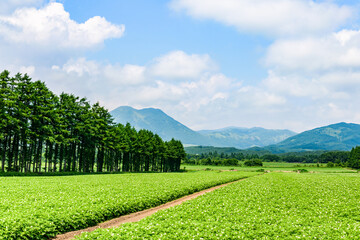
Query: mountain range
column 158, row 122
column 246, row 137
column 166, row 127
column 340, row 136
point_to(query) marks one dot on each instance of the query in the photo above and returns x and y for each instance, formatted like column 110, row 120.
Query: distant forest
column 43, row 132
column 232, row 156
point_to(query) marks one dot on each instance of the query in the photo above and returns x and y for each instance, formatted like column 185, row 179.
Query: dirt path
column 137, row 216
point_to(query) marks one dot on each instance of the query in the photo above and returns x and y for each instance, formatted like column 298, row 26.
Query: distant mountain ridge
column 166, row 127
column 247, row 137
column 339, row 136
column 158, row 122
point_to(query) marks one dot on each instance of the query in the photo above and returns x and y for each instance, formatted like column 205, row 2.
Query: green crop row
column 271, row 206
column 42, row 207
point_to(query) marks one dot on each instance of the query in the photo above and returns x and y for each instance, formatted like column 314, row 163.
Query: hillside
column 158, row 122
column 227, row 150
column 340, row 136
column 247, row 137
column 166, row 127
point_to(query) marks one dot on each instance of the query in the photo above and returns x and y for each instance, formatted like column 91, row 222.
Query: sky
column 210, row 64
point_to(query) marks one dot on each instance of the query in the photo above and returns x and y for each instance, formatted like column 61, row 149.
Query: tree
column 253, row 162
column 40, row 131
column 354, row 160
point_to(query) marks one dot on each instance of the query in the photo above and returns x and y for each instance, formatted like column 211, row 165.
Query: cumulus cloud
column 52, row 27
column 274, row 18
column 335, row 50
column 80, row 67
column 318, row 75
column 127, row 74
column 178, row 64
column 7, row 6
column 137, row 85
column 317, row 67
column 313, row 63
column 201, row 102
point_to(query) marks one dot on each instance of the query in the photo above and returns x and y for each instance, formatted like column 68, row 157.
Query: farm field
column 270, row 206
column 273, row 167
column 42, row 207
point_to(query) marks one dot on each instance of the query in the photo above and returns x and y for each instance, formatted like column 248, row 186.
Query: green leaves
column 41, row 207
column 354, row 160
column 76, row 135
column 271, row 206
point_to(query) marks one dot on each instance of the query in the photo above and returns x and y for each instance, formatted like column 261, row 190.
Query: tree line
column 332, row 158
column 43, row 132
column 223, row 159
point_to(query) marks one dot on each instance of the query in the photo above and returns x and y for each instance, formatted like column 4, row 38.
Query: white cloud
column 336, row 50
column 114, row 85
column 141, row 83
column 326, row 67
column 294, row 85
column 30, row 70
column 13, row 68
column 7, row 6
column 129, row 74
column 213, row 100
column 313, row 64
column 275, row 17
column 178, row 64
column 80, row 67
column 52, row 27
column 259, row 98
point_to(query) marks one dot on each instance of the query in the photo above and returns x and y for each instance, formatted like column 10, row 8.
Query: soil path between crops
column 137, row 216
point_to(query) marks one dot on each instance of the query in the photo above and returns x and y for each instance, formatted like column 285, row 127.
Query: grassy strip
column 273, row 167
column 271, row 206
column 42, row 207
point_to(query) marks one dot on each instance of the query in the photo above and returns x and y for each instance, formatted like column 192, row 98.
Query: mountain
column 340, row 136
column 158, row 122
column 247, row 137
column 228, row 150
column 166, row 127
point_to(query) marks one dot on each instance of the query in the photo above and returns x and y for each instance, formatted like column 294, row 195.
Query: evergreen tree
column 40, row 131
column 354, row 160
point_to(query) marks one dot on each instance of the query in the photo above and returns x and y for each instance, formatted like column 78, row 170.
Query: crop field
column 42, row 207
column 274, row 167
column 270, row 206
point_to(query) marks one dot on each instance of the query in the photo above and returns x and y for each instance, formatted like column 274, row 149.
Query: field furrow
column 271, row 206
column 42, row 207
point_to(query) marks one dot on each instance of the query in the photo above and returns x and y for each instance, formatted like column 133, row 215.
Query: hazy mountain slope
column 247, row 137
column 340, row 136
column 158, row 122
column 227, row 150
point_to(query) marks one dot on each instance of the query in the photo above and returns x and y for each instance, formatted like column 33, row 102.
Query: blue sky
column 210, row 64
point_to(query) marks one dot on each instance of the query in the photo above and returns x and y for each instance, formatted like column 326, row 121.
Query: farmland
column 41, row 207
column 270, row 206
column 274, row 167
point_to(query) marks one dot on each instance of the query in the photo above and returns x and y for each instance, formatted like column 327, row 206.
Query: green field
column 41, row 207
column 274, row 167
column 270, row 206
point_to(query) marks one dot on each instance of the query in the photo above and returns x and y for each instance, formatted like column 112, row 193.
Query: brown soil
column 137, row 216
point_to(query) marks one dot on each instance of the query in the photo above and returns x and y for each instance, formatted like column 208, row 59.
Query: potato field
column 270, row 206
column 42, row 207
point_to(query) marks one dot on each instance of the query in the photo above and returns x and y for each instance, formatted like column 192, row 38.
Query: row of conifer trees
column 43, row 132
